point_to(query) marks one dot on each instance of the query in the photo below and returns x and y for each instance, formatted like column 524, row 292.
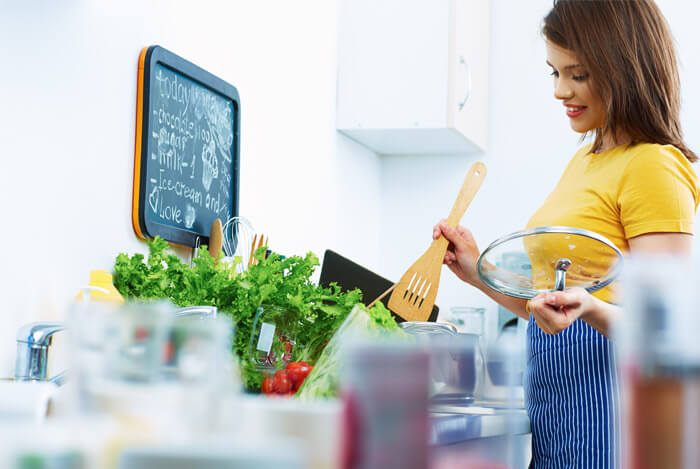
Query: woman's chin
column 580, row 127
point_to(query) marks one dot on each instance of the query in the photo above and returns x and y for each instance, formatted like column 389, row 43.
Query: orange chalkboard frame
column 143, row 223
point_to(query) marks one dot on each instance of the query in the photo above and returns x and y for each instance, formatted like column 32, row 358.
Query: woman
column 615, row 71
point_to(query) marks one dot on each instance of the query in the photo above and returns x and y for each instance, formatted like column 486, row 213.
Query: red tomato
column 296, row 376
column 294, row 365
column 282, row 385
column 267, row 386
column 305, row 370
column 297, row 372
column 281, row 382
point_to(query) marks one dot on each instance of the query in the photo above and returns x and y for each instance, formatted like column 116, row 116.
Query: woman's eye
column 580, row 77
column 554, row 73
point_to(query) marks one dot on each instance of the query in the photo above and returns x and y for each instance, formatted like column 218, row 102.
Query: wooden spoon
column 216, row 238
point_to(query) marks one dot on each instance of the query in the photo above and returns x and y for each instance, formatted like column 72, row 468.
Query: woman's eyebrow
column 568, row 67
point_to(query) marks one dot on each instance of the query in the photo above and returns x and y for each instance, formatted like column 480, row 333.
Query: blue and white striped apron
column 572, row 398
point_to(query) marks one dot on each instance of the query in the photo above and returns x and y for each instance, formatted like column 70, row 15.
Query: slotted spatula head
column 414, row 295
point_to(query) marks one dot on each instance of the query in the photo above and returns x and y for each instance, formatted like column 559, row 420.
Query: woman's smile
column 574, row 111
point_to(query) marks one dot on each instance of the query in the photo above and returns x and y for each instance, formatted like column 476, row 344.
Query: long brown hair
column 627, row 48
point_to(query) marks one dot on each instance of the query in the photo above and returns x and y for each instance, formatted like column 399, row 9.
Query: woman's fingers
column 443, row 229
column 569, row 299
column 535, row 305
column 451, row 234
column 573, row 302
column 461, row 253
column 436, row 229
column 463, row 232
column 550, row 319
column 457, row 236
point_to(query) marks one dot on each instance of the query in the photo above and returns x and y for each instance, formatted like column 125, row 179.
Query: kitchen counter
column 489, row 431
column 455, row 424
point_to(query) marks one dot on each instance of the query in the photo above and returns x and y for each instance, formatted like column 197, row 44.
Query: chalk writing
column 189, row 173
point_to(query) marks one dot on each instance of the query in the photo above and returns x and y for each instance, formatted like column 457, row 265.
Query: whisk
column 238, row 236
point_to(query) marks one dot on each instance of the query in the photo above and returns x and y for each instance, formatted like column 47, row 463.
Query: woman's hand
column 462, row 252
column 555, row 311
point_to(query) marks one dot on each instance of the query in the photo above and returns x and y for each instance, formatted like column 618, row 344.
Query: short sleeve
column 658, row 192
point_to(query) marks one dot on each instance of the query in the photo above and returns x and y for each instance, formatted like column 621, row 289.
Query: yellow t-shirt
column 621, row 193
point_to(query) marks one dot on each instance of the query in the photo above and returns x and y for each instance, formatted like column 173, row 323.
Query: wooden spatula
column 414, row 295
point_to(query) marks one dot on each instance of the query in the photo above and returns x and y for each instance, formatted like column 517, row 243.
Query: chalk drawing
column 190, row 216
column 210, row 165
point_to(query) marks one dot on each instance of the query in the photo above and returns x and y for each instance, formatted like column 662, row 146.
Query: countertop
column 452, row 424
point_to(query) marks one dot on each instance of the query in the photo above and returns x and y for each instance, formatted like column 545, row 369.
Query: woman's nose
column 562, row 90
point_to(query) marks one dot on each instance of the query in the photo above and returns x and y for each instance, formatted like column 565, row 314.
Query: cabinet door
column 468, row 64
column 392, row 57
column 402, row 74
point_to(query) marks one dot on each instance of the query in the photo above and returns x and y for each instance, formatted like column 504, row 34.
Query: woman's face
column 573, row 86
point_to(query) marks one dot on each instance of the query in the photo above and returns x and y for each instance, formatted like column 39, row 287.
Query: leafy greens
column 275, row 281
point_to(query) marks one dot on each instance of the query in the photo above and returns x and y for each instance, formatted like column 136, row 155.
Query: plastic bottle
column 100, row 288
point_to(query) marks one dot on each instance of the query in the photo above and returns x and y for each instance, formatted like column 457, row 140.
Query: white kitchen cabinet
column 405, row 69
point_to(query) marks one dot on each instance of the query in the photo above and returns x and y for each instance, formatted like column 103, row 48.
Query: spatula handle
column 379, row 298
column 471, row 185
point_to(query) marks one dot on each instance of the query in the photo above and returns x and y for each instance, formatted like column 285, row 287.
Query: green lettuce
column 276, row 281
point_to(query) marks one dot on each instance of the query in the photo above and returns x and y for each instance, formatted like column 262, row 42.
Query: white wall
column 680, row 16
column 530, row 143
column 67, row 135
column 68, row 95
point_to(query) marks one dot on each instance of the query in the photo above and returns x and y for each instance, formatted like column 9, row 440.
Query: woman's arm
column 669, row 243
column 514, row 305
column 461, row 256
column 555, row 311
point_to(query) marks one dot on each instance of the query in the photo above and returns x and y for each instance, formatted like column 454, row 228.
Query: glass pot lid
column 548, row 258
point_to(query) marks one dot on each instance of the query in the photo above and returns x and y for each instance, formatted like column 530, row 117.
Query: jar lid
column 549, row 258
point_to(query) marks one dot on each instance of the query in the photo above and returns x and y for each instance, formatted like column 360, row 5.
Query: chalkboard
column 186, row 170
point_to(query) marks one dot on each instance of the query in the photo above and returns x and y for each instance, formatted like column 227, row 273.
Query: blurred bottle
column 657, row 337
column 100, row 288
column 99, row 291
column 385, row 397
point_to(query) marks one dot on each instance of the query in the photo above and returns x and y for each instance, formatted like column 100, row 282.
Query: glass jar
column 456, row 360
column 134, row 340
column 469, row 319
column 272, row 339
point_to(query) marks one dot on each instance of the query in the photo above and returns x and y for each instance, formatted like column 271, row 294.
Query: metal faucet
column 33, row 341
